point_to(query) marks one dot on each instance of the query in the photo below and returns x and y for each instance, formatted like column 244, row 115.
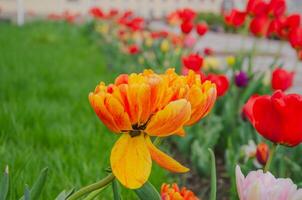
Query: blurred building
column 146, row 8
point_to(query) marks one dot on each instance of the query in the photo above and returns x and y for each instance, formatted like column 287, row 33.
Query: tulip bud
column 164, row 47
column 241, row 79
column 230, row 60
column 186, row 27
column 282, row 79
column 201, row 29
column 262, row 153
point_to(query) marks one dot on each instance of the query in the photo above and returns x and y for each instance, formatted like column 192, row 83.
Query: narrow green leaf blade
column 65, row 194
column 26, row 193
column 116, row 190
column 213, row 176
column 37, row 188
column 4, row 185
column 147, row 191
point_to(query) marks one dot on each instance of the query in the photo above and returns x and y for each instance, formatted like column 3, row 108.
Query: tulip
column 256, row 7
column 187, row 14
column 165, row 46
column 221, row 81
column 189, row 41
column 97, row 12
column 211, row 62
column 230, row 60
column 264, row 186
column 259, row 25
column 172, row 192
column 282, row 79
column 262, row 153
column 276, row 8
column 295, row 38
column 133, row 49
column 276, row 117
column 140, row 106
column 241, row 79
column 208, row 51
column 236, row 18
column 186, row 27
column 193, row 62
column 201, row 29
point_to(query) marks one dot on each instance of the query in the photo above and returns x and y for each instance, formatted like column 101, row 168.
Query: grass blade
column 4, row 185
column 37, row 188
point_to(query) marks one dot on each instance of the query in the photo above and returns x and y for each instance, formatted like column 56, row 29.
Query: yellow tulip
column 211, row 63
column 230, row 60
column 139, row 106
column 165, row 46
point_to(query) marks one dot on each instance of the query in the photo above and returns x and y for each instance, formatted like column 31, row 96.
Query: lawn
column 46, row 73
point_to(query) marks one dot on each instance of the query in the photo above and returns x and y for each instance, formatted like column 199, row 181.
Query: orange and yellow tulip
column 173, row 192
column 139, row 106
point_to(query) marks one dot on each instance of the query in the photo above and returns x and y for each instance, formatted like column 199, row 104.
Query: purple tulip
column 241, row 79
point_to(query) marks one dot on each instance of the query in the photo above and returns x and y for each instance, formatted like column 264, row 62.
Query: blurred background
column 145, row 8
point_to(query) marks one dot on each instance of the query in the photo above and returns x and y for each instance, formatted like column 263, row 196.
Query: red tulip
column 96, row 12
column 262, row 153
column 236, row 18
column 186, row 27
column 247, row 109
column 256, row 7
column 277, row 117
column 187, row 14
column 277, row 8
column 295, row 38
column 259, row 25
column 113, row 12
column 221, row 81
column 133, row 49
column 208, row 51
column 287, row 24
column 193, row 61
column 201, row 29
column 282, row 79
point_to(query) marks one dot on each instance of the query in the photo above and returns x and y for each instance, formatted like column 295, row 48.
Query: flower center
column 134, row 133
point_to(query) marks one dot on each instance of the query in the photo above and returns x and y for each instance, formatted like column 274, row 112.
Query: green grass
column 46, row 73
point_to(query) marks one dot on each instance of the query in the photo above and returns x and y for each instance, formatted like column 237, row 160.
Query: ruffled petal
column 164, row 160
column 202, row 100
column 131, row 161
column 169, row 120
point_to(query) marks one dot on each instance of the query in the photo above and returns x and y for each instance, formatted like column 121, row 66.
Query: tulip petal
column 131, row 161
column 97, row 102
column 164, row 160
column 169, row 120
column 202, row 101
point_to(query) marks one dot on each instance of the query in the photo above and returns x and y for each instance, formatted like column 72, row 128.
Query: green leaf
column 26, row 193
column 213, row 176
column 38, row 185
column 4, row 185
column 94, row 194
column 65, row 194
column 116, row 190
column 147, row 191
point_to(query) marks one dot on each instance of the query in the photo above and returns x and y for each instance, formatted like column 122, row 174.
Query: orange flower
column 174, row 193
column 144, row 105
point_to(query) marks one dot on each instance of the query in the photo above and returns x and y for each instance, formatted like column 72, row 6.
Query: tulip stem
column 90, row 188
column 270, row 158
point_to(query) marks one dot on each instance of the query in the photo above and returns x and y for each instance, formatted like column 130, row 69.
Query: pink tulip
column 264, row 186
